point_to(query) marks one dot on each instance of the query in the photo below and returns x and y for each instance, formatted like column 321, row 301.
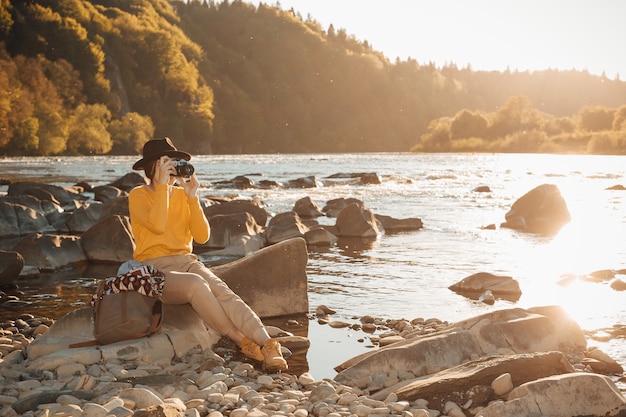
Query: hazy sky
column 488, row 34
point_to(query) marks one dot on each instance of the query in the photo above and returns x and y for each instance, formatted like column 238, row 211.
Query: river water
column 407, row 275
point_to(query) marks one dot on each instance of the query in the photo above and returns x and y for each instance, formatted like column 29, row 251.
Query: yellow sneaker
column 273, row 357
column 251, row 350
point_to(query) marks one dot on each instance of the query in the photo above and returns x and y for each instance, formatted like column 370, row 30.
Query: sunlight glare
column 583, row 246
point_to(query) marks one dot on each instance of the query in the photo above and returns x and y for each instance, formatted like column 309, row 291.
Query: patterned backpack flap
column 127, row 306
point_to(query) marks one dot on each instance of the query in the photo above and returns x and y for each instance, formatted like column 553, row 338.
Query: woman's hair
column 150, row 169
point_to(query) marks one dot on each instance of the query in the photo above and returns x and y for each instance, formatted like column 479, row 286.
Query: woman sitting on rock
column 166, row 217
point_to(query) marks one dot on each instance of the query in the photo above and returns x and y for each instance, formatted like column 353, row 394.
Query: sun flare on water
column 576, row 266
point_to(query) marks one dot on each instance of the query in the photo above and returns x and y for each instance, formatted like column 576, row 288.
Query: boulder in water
column 541, row 210
column 11, row 264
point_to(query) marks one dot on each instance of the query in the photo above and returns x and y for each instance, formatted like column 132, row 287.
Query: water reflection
column 354, row 247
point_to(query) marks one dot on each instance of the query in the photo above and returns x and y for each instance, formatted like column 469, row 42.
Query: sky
column 486, row 34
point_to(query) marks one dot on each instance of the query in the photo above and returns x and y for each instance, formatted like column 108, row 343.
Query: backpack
column 127, row 306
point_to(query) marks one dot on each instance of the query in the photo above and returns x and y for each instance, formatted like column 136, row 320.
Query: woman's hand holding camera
column 166, row 174
column 191, row 186
column 165, row 170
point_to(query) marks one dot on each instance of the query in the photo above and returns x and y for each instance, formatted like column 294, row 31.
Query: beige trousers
column 188, row 280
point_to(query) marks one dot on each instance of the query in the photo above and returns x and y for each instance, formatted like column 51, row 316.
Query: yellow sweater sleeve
column 198, row 223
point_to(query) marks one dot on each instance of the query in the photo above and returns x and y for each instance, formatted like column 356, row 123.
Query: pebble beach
column 203, row 383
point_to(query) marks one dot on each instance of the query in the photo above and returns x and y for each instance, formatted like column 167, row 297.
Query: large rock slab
column 64, row 196
column 273, row 280
column 20, row 220
column 441, row 386
column 574, row 394
column 182, row 331
column 421, row 356
column 501, row 332
column 568, row 333
column 119, row 244
column 50, row 252
column 513, row 330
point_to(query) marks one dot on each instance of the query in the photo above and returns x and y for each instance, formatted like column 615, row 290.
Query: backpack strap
column 88, row 343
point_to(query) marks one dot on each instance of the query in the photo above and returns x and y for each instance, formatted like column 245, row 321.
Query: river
column 407, row 275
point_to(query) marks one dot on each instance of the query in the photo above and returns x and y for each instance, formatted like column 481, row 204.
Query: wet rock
column 306, row 208
column 323, row 310
column 393, row 225
column 609, row 365
column 118, row 206
column 357, row 221
column 129, row 181
column 268, row 277
column 11, row 264
column 119, row 244
column 240, row 182
column 50, row 252
column 83, row 218
column 253, row 207
column 616, row 187
column 227, row 229
column 20, row 220
column 475, row 285
column 618, row 285
column 106, row 193
column 482, row 189
column 305, row 182
column 64, row 196
column 333, row 207
column 320, row 236
column 284, row 226
column 364, row 177
column 541, row 210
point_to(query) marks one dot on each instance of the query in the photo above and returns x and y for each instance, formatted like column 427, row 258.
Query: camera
column 183, row 168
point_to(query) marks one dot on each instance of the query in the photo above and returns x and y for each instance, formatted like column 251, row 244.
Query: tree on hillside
column 596, row 118
column 130, row 133
column 88, row 134
column 231, row 77
column 619, row 120
column 467, row 124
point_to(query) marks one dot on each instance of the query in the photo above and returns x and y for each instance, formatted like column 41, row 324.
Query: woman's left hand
column 191, row 186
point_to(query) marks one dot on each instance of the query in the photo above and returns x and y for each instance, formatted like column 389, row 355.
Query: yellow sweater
column 164, row 225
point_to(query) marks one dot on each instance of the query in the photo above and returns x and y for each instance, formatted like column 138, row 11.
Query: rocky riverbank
column 219, row 382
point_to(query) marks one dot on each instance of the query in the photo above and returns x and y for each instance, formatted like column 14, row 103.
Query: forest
column 97, row 77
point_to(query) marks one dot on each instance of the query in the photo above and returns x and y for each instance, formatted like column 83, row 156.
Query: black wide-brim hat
column 156, row 148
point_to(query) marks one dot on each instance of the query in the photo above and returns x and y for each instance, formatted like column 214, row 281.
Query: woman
column 166, row 218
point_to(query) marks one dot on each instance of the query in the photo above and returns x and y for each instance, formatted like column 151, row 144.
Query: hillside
column 102, row 76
